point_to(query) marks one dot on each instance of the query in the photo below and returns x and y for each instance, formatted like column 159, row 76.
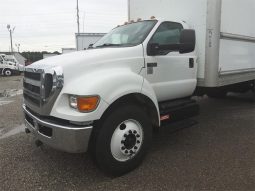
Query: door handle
column 191, row 63
column 150, row 67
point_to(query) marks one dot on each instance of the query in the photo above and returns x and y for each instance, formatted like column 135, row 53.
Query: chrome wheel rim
column 127, row 140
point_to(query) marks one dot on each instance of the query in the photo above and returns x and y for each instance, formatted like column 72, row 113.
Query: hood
column 80, row 62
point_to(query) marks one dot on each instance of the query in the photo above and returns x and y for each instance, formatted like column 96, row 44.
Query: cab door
column 171, row 74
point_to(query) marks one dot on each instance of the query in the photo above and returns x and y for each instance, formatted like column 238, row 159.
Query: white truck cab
column 13, row 59
column 142, row 74
column 7, row 68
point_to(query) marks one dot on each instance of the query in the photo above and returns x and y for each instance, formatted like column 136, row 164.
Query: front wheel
column 123, row 140
column 7, row 72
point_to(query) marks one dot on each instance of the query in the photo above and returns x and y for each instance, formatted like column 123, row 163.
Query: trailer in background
column 83, row 40
column 68, row 50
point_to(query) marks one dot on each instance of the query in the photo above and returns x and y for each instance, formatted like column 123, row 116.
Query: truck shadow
column 246, row 97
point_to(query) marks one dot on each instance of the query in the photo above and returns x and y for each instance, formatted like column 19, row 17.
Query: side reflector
column 164, row 117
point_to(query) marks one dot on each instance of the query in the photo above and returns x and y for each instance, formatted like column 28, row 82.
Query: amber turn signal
column 87, row 104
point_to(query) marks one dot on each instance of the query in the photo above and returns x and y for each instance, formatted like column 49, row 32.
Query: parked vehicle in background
column 139, row 75
column 13, row 59
column 7, row 68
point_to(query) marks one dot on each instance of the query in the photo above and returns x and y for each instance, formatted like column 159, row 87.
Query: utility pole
column 17, row 45
column 78, row 17
column 11, row 32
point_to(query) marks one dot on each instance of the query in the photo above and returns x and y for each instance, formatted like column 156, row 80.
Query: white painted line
column 12, row 132
column 2, row 102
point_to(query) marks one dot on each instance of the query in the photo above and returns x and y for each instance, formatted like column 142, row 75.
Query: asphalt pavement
column 215, row 151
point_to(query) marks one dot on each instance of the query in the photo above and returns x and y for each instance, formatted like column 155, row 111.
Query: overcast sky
column 51, row 24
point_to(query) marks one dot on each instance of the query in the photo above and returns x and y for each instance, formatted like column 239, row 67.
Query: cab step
column 176, row 110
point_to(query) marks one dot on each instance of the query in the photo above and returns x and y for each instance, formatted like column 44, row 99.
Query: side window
column 167, row 33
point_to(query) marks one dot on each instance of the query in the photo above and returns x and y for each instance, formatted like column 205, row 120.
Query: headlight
column 84, row 104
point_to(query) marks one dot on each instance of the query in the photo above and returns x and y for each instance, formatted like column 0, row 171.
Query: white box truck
column 7, row 68
column 108, row 99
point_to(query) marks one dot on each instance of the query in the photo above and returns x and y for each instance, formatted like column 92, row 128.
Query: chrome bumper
column 68, row 139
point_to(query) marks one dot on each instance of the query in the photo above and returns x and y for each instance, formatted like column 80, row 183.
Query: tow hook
column 38, row 143
column 27, row 131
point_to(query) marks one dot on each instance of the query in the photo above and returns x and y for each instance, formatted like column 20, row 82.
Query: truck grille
column 41, row 88
column 32, row 75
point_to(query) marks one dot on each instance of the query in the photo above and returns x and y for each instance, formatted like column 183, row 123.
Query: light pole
column 11, row 32
column 78, row 17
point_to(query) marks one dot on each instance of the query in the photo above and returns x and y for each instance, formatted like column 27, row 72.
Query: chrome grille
column 32, row 75
column 41, row 88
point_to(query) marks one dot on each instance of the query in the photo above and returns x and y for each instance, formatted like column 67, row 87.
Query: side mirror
column 187, row 41
column 153, row 49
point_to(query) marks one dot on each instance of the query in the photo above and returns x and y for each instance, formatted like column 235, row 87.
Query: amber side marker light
column 87, row 104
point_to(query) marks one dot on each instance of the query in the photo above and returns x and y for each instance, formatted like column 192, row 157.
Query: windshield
column 3, row 56
column 127, row 35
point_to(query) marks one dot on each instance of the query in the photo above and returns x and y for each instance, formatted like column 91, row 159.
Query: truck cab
column 13, row 59
column 108, row 98
column 7, row 68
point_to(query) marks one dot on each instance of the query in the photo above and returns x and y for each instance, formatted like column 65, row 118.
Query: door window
column 167, row 33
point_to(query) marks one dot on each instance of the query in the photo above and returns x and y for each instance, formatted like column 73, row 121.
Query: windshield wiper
column 108, row 44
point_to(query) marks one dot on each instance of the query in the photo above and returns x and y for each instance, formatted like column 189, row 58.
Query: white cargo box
column 225, row 32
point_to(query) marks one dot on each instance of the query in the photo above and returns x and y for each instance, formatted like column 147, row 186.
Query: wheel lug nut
column 122, row 126
column 134, row 131
column 131, row 152
column 122, row 142
column 126, row 151
column 123, row 148
column 137, row 135
column 135, row 147
column 125, row 135
column 138, row 142
column 130, row 131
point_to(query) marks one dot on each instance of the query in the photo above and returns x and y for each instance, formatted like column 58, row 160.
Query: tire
column 123, row 140
column 7, row 72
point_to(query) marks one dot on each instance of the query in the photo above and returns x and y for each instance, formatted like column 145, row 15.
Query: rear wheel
column 123, row 139
column 7, row 72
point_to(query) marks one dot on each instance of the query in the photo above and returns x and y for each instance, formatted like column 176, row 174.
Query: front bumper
column 61, row 137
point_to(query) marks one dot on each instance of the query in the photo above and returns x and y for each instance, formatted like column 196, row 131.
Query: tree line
column 35, row 56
